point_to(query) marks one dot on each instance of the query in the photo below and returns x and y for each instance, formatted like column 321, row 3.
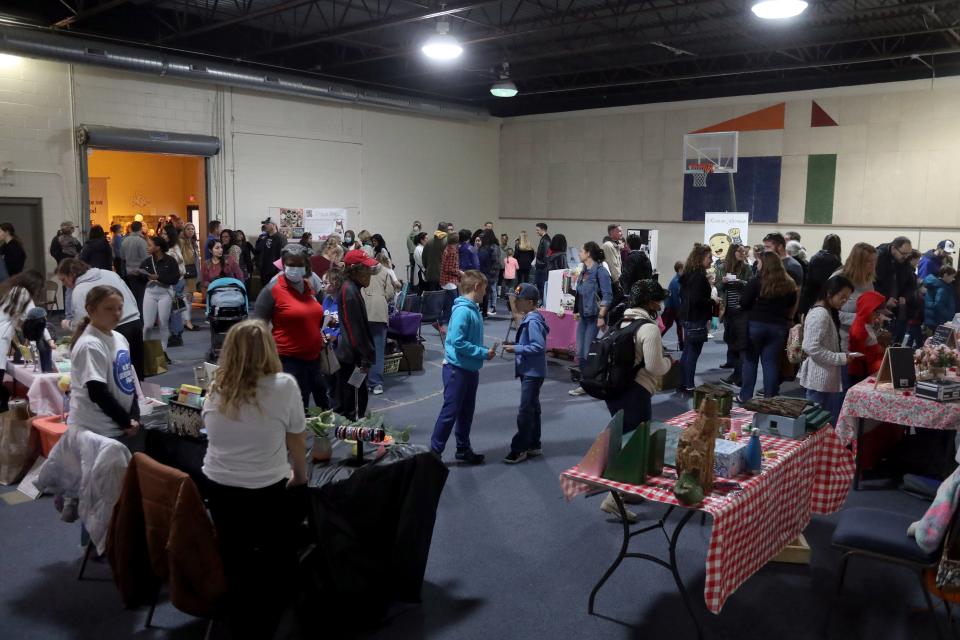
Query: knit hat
column 646, row 291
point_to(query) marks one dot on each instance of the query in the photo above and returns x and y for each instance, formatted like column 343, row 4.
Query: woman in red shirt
column 289, row 302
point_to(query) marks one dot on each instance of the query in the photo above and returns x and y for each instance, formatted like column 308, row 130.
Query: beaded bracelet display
column 364, row 434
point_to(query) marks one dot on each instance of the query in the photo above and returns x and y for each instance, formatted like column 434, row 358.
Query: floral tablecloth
column 754, row 517
column 896, row 406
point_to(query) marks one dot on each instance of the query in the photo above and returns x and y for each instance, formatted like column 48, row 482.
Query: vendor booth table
column 44, row 395
column 754, row 517
column 563, row 332
column 897, row 406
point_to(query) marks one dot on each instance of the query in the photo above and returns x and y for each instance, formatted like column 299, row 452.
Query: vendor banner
column 720, row 230
column 319, row 222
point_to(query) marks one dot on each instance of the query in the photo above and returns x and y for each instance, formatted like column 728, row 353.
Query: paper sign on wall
column 323, row 222
column 720, row 230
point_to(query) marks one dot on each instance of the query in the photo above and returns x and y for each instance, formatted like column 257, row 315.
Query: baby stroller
column 227, row 305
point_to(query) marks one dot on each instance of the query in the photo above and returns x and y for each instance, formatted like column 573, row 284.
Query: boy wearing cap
column 932, row 260
column 530, row 365
column 464, row 354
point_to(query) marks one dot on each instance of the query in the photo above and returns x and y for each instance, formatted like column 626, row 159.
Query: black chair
column 432, row 303
column 412, row 303
column 882, row 535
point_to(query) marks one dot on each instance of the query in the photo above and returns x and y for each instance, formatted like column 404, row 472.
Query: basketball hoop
column 700, row 171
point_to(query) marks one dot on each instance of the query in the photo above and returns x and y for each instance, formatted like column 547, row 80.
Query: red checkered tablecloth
column 754, row 517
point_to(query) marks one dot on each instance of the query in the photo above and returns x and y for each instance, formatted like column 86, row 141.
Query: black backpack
column 611, row 362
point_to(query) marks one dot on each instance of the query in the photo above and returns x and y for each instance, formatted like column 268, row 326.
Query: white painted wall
column 389, row 168
column 580, row 170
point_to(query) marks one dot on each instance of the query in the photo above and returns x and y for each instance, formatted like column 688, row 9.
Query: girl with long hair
column 594, row 298
column 246, row 254
column 820, row 372
column 770, row 300
column 190, row 251
column 103, row 384
column 16, row 299
column 219, row 266
column 256, row 452
column 696, row 311
column 380, row 248
column 860, row 269
column 732, row 275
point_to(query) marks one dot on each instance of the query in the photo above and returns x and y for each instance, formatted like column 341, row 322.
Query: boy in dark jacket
column 939, row 303
column 531, row 368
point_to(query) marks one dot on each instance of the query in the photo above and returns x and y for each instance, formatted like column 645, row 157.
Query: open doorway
column 128, row 186
column 26, row 216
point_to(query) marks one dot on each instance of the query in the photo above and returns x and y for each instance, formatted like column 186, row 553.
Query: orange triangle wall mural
column 764, row 119
column 819, row 117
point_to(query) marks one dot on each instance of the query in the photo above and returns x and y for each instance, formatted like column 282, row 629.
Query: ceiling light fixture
column 442, row 45
column 779, row 9
column 505, row 88
column 8, row 61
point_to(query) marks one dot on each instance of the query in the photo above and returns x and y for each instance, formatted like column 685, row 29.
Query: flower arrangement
column 935, row 356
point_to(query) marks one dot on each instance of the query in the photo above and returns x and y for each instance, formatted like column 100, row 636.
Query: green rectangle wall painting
column 821, row 182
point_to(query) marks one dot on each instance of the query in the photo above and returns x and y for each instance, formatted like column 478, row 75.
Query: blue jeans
column 379, row 332
column 586, row 332
column 829, row 401
column 690, row 355
column 540, row 278
column 459, row 400
column 635, row 402
column 176, row 315
column 307, row 375
column 528, row 417
column 767, row 342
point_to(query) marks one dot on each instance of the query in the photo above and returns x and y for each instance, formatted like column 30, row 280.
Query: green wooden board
column 821, row 184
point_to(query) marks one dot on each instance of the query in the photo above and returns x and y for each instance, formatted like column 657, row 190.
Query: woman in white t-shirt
column 256, row 431
column 103, row 390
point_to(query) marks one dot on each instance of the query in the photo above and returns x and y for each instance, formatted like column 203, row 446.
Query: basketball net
column 700, row 171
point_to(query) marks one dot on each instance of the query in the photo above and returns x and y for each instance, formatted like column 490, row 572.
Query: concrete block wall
column 580, row 170
column 387, row 168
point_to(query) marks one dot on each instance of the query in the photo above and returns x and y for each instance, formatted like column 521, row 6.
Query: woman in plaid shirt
column 449, row 277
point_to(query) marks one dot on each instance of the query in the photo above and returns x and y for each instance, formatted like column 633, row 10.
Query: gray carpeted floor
column 510, row 557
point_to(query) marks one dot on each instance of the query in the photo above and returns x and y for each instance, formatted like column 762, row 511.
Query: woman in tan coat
column 377, row 297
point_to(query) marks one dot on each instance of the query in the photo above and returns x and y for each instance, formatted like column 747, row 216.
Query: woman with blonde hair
column 256, row 451
column 525, row 254
column 770, row 301
column 190, row 251
column 860, row 269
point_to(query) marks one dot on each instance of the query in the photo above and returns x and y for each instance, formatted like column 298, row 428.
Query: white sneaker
column 492, row 312
column 377, row 390
column 609, row 505
column 577, row 392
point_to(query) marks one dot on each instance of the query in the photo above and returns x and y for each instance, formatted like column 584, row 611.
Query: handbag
column 795, row 344
column 19, row 443
column 329, row 364
column 190, row 271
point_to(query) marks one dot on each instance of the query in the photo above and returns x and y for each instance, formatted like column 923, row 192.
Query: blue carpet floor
column 510, row 557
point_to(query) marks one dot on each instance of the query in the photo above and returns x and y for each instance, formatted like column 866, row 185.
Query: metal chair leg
column 86, row 557
column 209, row 633
column 933, row 610
column 843, row 572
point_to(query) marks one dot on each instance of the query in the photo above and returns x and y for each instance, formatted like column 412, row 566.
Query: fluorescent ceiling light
column 8, row 61
column 442, row 45
column 504, row 89
column 778, row 9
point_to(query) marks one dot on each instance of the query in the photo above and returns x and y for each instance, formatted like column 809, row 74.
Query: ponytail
column 79, row 332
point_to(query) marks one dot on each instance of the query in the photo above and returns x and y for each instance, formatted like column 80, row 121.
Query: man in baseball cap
column 530, row 365
column 932, row 260
column 358, row 256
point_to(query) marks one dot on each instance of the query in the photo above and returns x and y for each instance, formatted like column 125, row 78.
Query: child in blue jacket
column 464, row 353
column 531, row 368
column 940, row 305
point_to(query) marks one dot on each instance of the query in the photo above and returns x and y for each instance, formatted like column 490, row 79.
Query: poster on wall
column 318, row 221
column 720, row 230
column 324, row 222
column 650, row 239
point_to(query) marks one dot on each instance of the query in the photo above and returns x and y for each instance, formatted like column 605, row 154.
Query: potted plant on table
column 321, row 424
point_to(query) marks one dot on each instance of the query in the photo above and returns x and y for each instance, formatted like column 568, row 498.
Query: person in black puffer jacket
column 696, row 311
column 636, row 266
column 96, row 251
column 822, row 265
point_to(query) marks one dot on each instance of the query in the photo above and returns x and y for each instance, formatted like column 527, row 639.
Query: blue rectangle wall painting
column 757, row 185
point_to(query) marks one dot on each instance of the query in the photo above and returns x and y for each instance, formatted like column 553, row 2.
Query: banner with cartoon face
column 720, row 230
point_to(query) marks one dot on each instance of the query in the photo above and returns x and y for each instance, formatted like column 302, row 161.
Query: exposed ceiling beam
column 240, row 19
column 374, row 25
column 88, row 13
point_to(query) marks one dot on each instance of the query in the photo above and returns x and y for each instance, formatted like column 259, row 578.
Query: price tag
column 356, row 378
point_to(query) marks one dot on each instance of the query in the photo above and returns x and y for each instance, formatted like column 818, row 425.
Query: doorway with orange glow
column 153, row 188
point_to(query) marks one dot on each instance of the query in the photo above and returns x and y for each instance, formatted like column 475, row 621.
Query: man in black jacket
column 433, row 256
column 895, row 279
column 270, row 252
column 637, row 266
column 543, row 249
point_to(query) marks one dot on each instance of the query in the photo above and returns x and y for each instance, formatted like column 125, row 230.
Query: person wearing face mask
column 289, row 302
column 646, row 300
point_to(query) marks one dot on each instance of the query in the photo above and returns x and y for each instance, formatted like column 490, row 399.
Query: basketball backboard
column 710, row 152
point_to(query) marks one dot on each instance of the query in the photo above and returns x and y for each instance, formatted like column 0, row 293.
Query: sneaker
column 609, row 505
column 469, row 456
column 492, row 312
column 731, row 380
column 533, row 453
column 515, row 457
column 577, row 392
column 377, row 390
column 175, row 341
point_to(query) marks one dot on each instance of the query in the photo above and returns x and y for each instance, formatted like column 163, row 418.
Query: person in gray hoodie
column 133, row 251
column 80, row 278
